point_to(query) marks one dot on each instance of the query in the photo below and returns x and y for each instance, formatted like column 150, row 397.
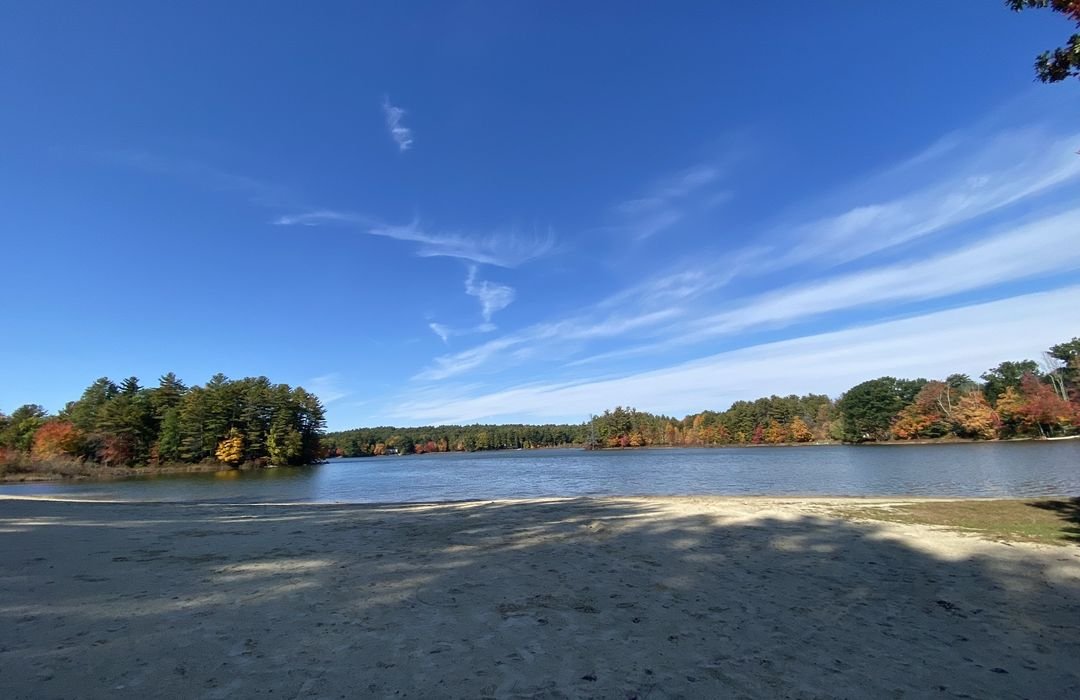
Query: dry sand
column 612, row 598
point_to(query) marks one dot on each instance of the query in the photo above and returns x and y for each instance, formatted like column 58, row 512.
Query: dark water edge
column 977, row 470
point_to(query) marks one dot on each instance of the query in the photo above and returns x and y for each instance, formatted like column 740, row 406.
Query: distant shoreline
column 51, row 473
column 837, row 443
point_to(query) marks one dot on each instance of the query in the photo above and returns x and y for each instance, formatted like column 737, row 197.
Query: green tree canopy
column 868, row 409
column 1005, row 375
column 1062, row 62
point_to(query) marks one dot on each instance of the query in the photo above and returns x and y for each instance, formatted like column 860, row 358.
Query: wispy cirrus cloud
column 493, row 297
column 199, row 174
column 401, row 134
column 542, row 337
column 320, row 217
column 446, row 332
column 668, row 201
column 327, row 387
column 953, row 182
column 443, row 331
column 1006, row 174
column 1039, row 248
column 502, row 249
column 509, row 248
column 643, row 309
column 967, row 339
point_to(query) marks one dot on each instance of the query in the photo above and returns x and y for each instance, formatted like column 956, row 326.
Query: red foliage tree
column 1042, row 405
column 1036, row 407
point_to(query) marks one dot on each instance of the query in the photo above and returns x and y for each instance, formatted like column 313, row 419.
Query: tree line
column 768, row 420
column 386, row 440
column 246, row 421
column 256, row 422
column 1014, row 399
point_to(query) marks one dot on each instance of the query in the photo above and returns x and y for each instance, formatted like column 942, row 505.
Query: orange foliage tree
column 926, row 416
column 913, row 422
column 57, row 438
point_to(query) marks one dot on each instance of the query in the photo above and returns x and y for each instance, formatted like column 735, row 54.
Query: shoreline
column 81, row 473
column 716, row 499
column 601, row 597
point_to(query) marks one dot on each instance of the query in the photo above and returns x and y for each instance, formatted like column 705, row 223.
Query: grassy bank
column 22, row 468
column 1044, row 521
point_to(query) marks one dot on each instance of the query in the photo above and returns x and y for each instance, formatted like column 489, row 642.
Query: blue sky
column 459, row 212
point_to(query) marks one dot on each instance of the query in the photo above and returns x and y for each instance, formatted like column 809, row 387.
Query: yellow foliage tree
column 231, row 449
column 776, row 433
column 976, row 418
column 800, row 431
column 1010, row 407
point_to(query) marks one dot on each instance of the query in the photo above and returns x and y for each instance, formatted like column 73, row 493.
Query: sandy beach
column 606, row 598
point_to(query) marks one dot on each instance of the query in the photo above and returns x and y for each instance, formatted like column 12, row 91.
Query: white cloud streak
column 667, row 202
column 1000, row 171
column 440, row 330
column 968, row 339
column 446, row 332
column 971, row 178
column 401, row 134
column 546, row 335
column 324, row 216
column 257, row 192
column 1042, row 247
column 503, row 248
column 493, row 297
column 327, row 387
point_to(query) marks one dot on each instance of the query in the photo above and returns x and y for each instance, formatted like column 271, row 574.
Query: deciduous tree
column 1064, row 61
column 976, row 418
column 57, row 438
column 800, row 431
column 231, row 449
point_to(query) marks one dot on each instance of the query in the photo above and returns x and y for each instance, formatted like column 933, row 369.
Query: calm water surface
column 1001, row 469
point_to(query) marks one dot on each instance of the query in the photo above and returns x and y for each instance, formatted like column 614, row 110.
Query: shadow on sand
column 1068, row 509
column 583, row 598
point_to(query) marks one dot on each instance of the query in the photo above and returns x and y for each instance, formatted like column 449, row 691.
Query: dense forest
column 234, row 422
column 450, row 438
column 1014, row 399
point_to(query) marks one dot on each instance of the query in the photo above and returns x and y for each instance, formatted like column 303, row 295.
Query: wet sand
column 608, row 598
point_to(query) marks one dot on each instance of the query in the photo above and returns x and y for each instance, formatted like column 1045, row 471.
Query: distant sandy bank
column 612, row 597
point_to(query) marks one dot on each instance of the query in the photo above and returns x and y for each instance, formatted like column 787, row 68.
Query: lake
column 1019, row 469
